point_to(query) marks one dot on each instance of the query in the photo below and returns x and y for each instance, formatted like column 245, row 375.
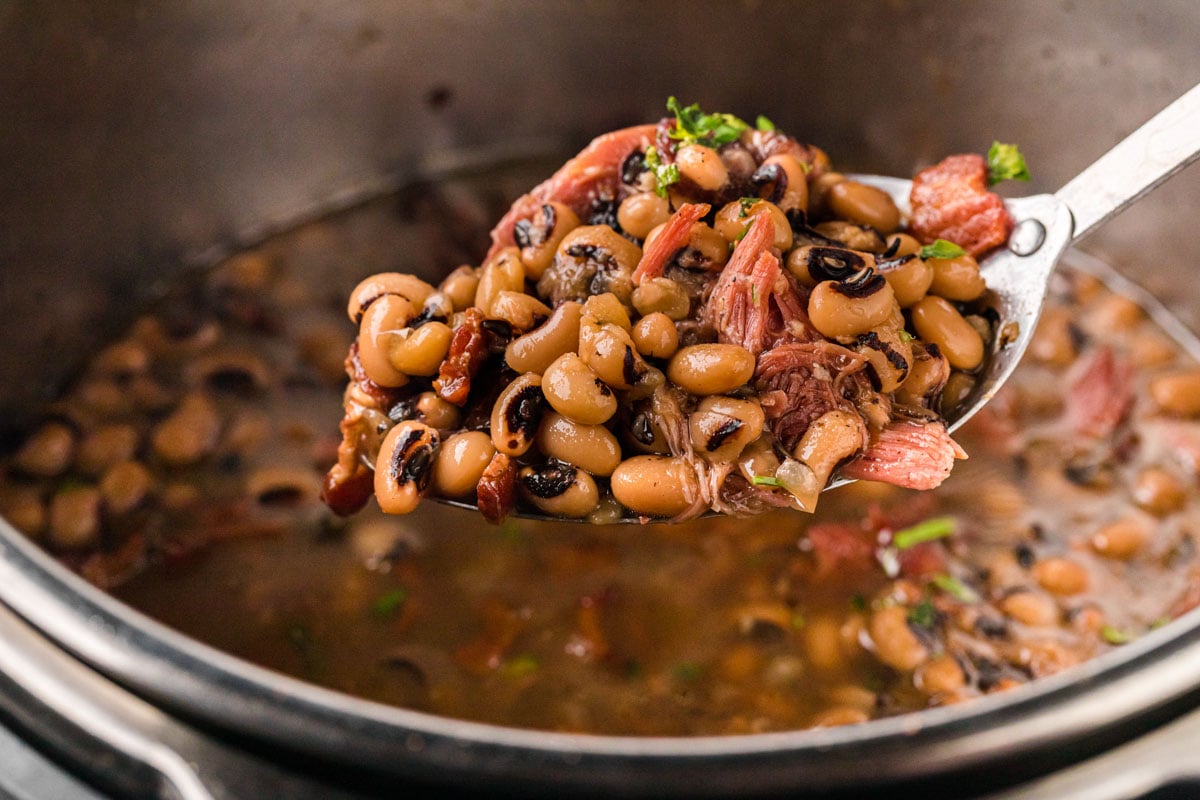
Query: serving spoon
column 1018, row 275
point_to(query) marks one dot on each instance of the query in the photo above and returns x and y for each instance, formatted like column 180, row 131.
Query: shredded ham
column 950, row 201
column 800, row 381
column 1099, row 395
column 908, row 453
column 595, row 172
column 670, row 240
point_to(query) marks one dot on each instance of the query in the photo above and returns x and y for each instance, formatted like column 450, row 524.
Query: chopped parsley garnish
column 519, row 666
column 927, row 531
column 689, row 671
column 1114, row 635
column 1005, row 163
column 745, row 204
column 767, row 480
column 764, row 124
column 753, row 294
column 388, row 602
column 858, row 602
column 955, row 588
column 1158, row 623
column 798, row 620
column 941, row 249
column 905, row 336
column 664, row 174
column 693, row 126
column 923, row 614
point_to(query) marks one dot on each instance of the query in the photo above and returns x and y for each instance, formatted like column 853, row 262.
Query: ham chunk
column 950, row 201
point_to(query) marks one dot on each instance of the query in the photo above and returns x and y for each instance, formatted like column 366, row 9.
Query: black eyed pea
column 460, row 286
column 48, row 452
column 419, row 351
column 865, row 205
column 852, row 235
column 706, row 249
column 926, row 377
column 593, row 448
column 436, row 412
column 608, row 349
column 641, row 213
column 889, row 354
column 622, row 253
column 910, row 279
column 522, row 311
column 75, row 517
column 559, row 490
column 516, row 415
column 460, row 463
column 1178, row 392
column 381, row 325
column 901, row 244
column 831, row 438
column 664, row 296
column 655, row 336
column 503, row 272
column 607, row 309
column 818, row 192
column 106, row 446
column 721, row 427
column 956, row 279
column 124, row 486
column 574, row 390
column 536, row 350
column 702, row 166
column 936, row 321
column 371, row 288
column 655, row 486
column 811, row 264
column 783, row 180
column 759, row 459
column 734, row 218
column 958, row 388
column 839, row 309
column 704, row 369
column 894, row 642
column 539, row 236
column 190, row 433
column 404, row 467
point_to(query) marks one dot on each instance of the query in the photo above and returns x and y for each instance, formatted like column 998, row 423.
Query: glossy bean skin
column 641, row 213
column 460, row 286
column 956, row 279
column 1120, row 539
column 460, row 463
column 1178, row 393
column 75, row 517
column 910, row 280
column 516, row 415
column 374, row 287
column 734, row 218
column 662, row 295
column 702, row 166
column 655, row 336
column 939, row 322
column 124, row 486
column 503, row 272
column 537, row 350
column 721, row 427
column 404, row 467
column 865, row 205
column 1159, row 491
column 608, row 349
column 1060, row 576
column 904, row 245
column 419, row 351
column 704, row 369
column 380, row 325
column 895, row 643
column 574, row 390
column 48, row 452
column 592, row 448
column 542, row 235
column 835, row 314
column 655, row 486
column 190, row 433
column 522, row 311
column 436, row 412
column 795, row 193
column 557, row 496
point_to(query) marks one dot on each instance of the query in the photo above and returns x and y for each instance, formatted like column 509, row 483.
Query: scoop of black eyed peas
column 566, row 376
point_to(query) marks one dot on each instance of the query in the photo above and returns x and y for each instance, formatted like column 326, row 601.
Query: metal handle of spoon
column 1167, row 143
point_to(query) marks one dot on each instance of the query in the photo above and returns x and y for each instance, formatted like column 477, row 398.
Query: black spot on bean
column 773, row 178
column 727, row 428
column 887, row 264
column 992, row 627
column 417, row 467
column 603, row 388
column 632, row 167
column 550, row 480
column 604, row 212
column 1025, row 556
column 524, row 412
column 642, row 429
column 629, row 368
column 863, row 283
column 833, row 263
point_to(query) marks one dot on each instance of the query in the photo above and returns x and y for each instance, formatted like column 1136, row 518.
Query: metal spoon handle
column 1167, row 143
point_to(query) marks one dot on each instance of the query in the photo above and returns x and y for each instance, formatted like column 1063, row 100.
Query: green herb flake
column 858, row 602
column 693, row 126
column 905, row 336
column 764, row 124
column 389, row 602
column 923, row 614
column 941, row 249
column 520, row 666
column 1115, row 635
column 745, row 204
column 664, row 174
column 753, row 294
column 767, row 480
column 1005, row 163
column 1158, row 623
column 927, row 531
column 955, row 588
column 689, row 671
column 798, row 620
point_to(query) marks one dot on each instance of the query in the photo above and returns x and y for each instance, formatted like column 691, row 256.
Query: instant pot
column 140, row 139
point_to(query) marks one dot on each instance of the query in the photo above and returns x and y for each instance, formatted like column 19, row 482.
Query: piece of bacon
column 950, row 201
column 594, row 173
column 799, row 381
column 468, row 351
column 1099, row 394
column 841, row 546
column 496, row 494
column 909, row 453
column 670, row 240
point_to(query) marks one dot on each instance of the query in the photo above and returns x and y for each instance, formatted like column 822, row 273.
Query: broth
column 1063, row 535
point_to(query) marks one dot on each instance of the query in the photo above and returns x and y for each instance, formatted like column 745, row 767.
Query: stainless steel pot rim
column 187, row 675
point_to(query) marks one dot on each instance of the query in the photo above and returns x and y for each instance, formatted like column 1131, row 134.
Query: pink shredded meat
column 1100, row 394
column 594, row 173
column 799, row 382
column 671, row 239
column 950, row 201
column 909, row 453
